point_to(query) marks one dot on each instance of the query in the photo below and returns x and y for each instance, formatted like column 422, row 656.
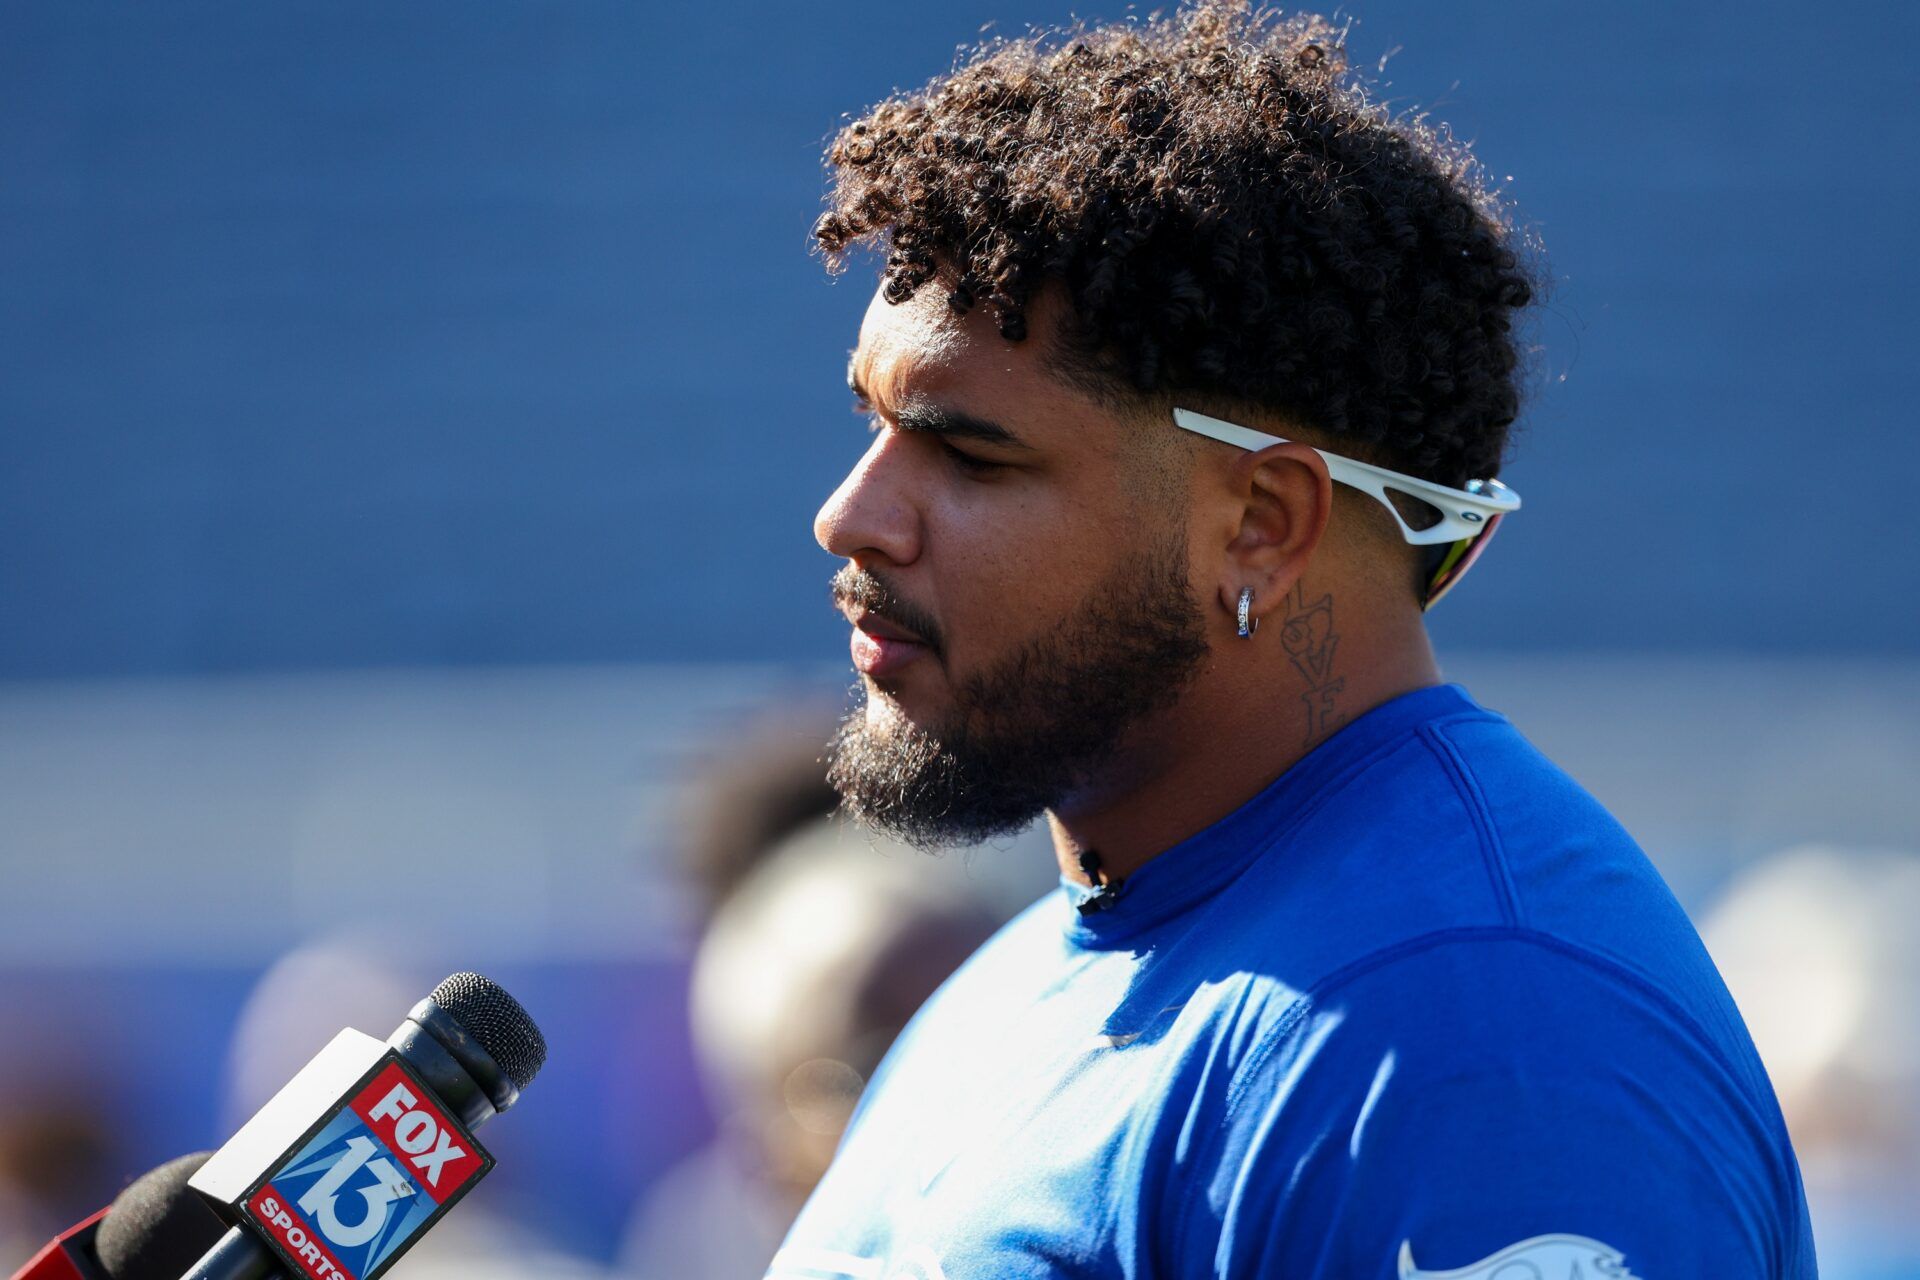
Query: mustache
column 855, row 587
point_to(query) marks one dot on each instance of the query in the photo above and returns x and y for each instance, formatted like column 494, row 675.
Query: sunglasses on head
column 1463, row 520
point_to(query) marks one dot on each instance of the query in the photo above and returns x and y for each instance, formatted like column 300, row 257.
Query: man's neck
column 1239, row 726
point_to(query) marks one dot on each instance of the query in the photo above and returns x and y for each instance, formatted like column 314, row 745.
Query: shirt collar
column 1203, row 863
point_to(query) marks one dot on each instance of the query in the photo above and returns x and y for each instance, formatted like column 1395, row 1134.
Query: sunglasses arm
column 1464, row 513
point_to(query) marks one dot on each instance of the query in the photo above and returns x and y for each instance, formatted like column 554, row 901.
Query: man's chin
column 901, row 777
column 899, row 703
column 945, row 754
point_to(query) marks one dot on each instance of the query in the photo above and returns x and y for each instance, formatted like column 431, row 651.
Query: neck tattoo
column 1309, row 639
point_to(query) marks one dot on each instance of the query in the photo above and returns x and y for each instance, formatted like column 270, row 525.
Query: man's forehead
column 888, row 375
column 915, row 347
column 922, row 351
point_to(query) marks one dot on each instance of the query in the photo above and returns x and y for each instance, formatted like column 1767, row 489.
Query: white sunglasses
column 1468, row 516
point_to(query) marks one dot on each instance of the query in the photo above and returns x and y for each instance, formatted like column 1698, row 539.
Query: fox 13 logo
column 369, row 1181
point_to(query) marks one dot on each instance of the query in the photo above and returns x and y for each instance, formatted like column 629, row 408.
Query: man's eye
column 967, row 462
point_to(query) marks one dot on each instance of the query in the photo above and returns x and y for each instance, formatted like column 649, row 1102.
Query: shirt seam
column 1081, row 935
column 1359, row 968
column 1492, row 851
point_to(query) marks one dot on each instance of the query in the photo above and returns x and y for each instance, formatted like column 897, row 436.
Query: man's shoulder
column 1562, row 869
column 1460, row 824
column 1474, row 1080
column 1457, row 861
column 1492, row 999
column 1486, row 999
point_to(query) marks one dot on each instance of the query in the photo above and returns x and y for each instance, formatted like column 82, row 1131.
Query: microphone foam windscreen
column 496, row 1022
column 158, row 1227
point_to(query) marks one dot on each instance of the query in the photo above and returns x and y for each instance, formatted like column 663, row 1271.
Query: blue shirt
column 1420, row 1006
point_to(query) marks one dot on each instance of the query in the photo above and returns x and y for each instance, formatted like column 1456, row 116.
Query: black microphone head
column 158, row 1227
column 496, row 1022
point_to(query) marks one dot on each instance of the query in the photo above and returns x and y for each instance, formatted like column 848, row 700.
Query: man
column 1345, row 979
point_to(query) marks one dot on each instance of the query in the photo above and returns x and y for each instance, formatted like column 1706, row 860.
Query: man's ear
column 1283, row 498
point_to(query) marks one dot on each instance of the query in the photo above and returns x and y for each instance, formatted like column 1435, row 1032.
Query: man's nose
column 869, row 514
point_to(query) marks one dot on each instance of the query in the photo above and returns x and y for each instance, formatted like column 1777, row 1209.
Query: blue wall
column 338, row 334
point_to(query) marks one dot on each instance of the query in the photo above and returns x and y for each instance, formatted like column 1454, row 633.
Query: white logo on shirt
column 1541, row 1258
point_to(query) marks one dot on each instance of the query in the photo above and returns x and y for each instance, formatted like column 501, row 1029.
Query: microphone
column 154, row 1230
column 370, row 1144
column 68, row 1256
column 343, row 1169
column 158, row 1227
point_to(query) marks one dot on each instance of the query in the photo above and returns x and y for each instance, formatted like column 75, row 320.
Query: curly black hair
column 1232, row 217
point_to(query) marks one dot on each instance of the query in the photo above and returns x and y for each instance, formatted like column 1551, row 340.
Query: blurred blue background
column 353, row 334
column 411, row 418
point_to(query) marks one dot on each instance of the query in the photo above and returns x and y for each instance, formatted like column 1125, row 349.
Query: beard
column 1035, row 725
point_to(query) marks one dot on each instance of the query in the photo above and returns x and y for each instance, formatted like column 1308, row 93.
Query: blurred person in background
column 1187, row 377
column 820, row 940
column 746, row 792
column 1821, row 948
column 809, row 971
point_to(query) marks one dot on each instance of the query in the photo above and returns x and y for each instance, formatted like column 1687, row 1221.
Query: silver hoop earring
column 1247, row 628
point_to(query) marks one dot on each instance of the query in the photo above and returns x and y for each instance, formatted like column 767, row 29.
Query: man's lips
column 875, row 625
column 880, row 648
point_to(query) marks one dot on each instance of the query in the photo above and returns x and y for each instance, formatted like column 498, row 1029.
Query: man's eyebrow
column 955, row 424
column 950, row 423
